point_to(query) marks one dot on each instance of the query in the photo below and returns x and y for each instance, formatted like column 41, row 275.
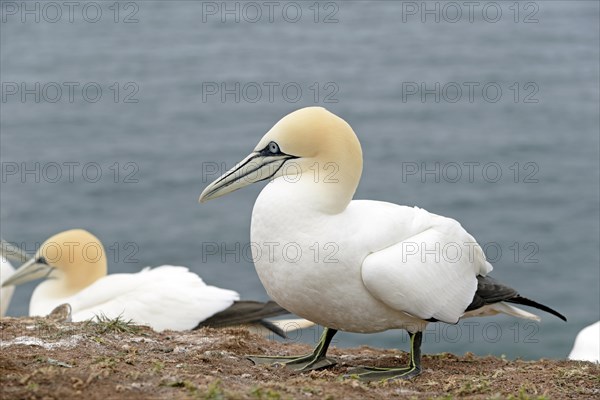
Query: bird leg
column 368, row 374
column 308, row 362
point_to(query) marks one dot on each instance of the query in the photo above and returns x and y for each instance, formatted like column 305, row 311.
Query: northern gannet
column 587, row 344
column 165, row 297
column 355, row 265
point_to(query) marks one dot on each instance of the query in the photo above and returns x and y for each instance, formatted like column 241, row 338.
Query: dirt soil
column 44, row 359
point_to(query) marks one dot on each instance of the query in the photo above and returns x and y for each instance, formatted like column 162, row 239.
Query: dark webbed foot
column 369, row 374
column 300, row 363
column 309, row 362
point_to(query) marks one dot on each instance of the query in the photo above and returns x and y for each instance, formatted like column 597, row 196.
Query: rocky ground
column 44, row 359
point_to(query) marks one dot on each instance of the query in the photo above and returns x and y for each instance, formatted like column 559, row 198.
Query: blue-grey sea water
column 488, row 115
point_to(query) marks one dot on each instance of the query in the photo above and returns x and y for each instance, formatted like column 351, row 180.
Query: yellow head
column 75, row 257
column 310, row 143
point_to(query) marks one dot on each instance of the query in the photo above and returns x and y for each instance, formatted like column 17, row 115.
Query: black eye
column 42, row 260
column 273, row 147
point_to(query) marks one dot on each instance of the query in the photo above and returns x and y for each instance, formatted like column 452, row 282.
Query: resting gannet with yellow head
column 356, row 265
column 165, row 297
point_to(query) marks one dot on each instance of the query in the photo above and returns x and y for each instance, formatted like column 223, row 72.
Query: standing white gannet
column 587, row 344
column 355, row 265
column 165, row 297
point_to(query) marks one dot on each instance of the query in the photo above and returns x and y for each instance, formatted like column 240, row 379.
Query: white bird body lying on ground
column 166, row 297
column 363, row 266
column 153, row 296
column 587, row 344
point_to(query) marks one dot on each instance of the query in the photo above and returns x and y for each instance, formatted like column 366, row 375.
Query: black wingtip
column 244, row 312
column 527, row 302
column 273, row 328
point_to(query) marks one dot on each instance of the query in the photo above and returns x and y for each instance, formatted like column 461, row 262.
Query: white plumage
column 6, row 270
column 385, row 271
column 587, row 344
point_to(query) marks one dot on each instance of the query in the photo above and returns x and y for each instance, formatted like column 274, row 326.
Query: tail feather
column 247, row 312
column 293, row 324
column 492, row 293
column 501, row 308
column 518, row 299
column 272, row 327
column 281, row 327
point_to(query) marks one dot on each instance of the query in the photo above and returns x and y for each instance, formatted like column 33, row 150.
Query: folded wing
column 430, row 275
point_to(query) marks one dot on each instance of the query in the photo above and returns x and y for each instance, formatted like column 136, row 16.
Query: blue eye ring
column 274, row 148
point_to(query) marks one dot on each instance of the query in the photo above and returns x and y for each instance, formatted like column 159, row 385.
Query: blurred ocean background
column 163, row 125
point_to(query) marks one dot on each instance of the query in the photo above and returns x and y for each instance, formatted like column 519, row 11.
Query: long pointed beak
column 254, row 168
column 31, row 270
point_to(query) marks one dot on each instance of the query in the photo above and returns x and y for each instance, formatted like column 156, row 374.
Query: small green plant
column 33, row 386
column 102, row 324
column 214, row 391
column 106, row 362
column 474, row 386
column 524, row 396
column 191, row 388
column 265, row 393
column 158, row 366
